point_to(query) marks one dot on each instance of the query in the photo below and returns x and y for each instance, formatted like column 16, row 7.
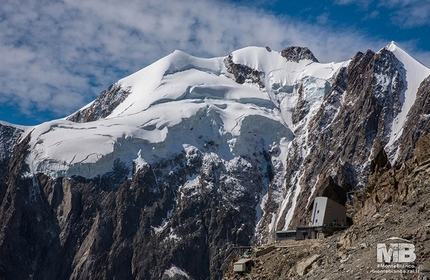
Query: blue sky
column 56, row 56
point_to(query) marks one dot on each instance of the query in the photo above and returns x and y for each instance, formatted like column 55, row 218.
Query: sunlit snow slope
column 182, row 100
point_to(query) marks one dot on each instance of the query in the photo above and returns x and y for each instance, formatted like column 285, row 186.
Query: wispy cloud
column 403, row 13
column 408, row 13
column 362, row 3
column 58, row 55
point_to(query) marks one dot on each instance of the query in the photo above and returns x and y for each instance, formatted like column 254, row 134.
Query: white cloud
column 403, row 13
column 408, row 13
column 58, row 55
column 363, row 3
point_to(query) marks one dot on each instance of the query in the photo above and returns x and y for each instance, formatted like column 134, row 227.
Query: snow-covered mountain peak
column 392, row 46
column 258, row 58
column 184, row 100
column 277, row 74
column 403, row 55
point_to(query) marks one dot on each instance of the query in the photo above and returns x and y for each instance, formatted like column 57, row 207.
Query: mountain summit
column 154, row 110
column 175, row 164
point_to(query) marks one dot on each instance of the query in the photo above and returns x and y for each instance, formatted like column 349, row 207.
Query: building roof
column 287, row 231
column 242, row 261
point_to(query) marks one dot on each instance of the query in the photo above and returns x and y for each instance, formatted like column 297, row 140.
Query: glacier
column 169, row 99
column 183, row 103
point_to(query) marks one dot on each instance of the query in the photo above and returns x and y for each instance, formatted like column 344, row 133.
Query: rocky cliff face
column 394, row 204
column 351, row 126
column 139, row 228
column 204, row 155
column 9, row 137
column 418, row 122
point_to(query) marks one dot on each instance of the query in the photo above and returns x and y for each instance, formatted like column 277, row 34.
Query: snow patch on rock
column 174, row 270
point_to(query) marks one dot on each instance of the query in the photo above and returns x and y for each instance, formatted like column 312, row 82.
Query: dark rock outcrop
column 243, row 73
column 333, row 191
column 380, row 162
column 296, row 54
column 103, row 106
column 9, row 137
column 422, row 150
column 301, row 109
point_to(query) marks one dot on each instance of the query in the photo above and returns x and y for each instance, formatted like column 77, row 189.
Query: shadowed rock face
column 76, row 228
column 9, row 137
column 352, row 123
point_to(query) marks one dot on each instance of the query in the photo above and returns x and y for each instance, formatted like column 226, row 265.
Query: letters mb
column 397, row 252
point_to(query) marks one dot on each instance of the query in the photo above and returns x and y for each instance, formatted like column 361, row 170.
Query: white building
column 326, row 212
